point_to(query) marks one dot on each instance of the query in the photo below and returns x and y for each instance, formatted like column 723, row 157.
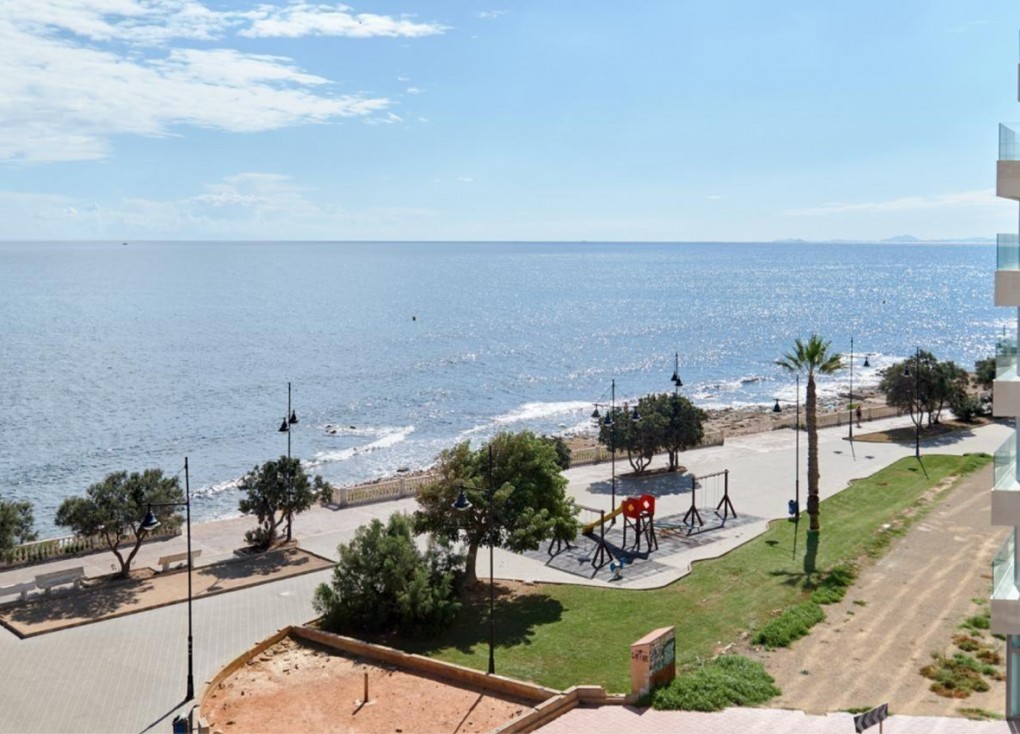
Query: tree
column 640, row 437
column 984, row 372
column 115, row 507
column 681, row 423
column 812, row 357
column 383, row 582
column 16, row 524
column 274, row 492
column 921, row 384
column 529, row 503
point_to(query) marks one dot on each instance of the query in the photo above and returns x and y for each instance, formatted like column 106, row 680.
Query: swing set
column 715, row 485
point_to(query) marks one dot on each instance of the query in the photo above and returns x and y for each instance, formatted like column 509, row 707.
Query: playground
column 634, row 542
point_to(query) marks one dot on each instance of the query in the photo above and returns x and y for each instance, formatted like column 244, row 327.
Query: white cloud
column 131, row 21
column 255, row 205
column 491, row 14
column 389, row 118
column 305, row 19
column 978, row 198
column 465, row 179
column 63, row 99
column 414, row 90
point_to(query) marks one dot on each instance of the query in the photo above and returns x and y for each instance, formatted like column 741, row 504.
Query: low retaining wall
column 548, row 703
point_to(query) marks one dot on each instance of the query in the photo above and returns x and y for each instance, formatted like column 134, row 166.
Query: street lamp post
column 677, row 384
column 610, row 420
column 463, row 503
column 151, row 522
column 289, row 419
column 917, row 398
column 796, row 457
column 850, row 408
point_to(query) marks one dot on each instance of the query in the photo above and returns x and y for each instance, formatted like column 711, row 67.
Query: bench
column 165, row 561
column 47, row 581
column 21, row 589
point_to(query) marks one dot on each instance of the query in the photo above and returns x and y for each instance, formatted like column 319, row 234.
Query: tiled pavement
column 616, row 719
column 128, row 674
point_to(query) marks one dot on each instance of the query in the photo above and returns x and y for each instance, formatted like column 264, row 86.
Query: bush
column 966, row 407
column 729, row 680
column 562, row 451
column 383, row 583
column 835, row 584
column 791, row 625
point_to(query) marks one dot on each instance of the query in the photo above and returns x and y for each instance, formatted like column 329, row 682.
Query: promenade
column 128, row 674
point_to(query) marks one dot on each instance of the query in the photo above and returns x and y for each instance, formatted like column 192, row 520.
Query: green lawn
column 563, row 635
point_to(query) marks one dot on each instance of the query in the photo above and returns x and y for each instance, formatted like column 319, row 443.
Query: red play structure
column 639, row 516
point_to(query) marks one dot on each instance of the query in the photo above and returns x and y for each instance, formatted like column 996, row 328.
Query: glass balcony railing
column 1004, row 572
column 1005, row 359
column 1005, row 465
column 1007, row 252
column 1009, row 141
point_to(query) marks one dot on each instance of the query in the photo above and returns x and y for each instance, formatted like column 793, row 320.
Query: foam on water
column 387, row 437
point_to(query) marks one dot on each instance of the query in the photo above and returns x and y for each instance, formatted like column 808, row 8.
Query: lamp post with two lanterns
column 151, row 522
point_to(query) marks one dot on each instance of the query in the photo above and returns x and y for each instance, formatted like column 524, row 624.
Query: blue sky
column 531, row 120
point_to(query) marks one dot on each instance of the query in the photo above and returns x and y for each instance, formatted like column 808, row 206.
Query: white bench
column 47, row 581
column 165, row 561
column 21, row 589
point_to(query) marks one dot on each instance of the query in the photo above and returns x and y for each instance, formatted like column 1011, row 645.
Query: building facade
column 1005, row 602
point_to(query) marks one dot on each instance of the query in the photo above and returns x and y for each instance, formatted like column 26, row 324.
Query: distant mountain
column 902, row 239
column 908, row 238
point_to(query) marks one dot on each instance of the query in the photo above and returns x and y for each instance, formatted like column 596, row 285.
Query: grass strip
column 562, row 635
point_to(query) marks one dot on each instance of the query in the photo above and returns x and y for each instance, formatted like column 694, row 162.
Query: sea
column 130, row 355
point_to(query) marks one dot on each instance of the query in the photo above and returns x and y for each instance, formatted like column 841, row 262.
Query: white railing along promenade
column 68, row 545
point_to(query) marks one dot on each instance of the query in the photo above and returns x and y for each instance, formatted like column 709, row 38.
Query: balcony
column 1005, row 595
column 1007, row 252
column 1006, row 489
column 1006, row 395
column 1007, row 267
column 1008, row 167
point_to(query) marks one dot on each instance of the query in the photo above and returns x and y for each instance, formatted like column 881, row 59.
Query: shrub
column 562, row 451
column 383, row 583
column 958, row 676
column 835, row 584
column 729, row 680
column 791, row 625
column 966, row 407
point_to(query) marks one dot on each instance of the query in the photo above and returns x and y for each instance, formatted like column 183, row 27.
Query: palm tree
column 811, row 357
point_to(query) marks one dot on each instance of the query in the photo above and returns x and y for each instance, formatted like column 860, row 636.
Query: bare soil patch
column 296, row 686
column 106, row 597
column 908, row 434
column 908, row 605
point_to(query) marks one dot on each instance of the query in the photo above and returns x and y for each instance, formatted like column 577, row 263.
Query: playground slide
column 590, row 527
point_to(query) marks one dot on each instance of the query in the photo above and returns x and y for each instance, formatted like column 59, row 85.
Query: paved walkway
column 615, row 719
column 128, row 674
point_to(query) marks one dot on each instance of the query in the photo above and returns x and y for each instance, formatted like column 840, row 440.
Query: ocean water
column 131, row 356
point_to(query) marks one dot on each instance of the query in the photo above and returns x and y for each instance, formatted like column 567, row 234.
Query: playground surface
column 297, row 686
column 638, row 564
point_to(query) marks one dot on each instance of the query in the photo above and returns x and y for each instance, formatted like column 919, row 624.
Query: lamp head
column 293, row 417
column 462, row 502
column 285, row 426
column 151, row 522
column 776, row 408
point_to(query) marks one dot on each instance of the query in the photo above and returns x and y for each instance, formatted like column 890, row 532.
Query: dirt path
column 914, row 600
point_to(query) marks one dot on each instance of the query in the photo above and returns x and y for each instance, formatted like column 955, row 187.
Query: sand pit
column 297, row 686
